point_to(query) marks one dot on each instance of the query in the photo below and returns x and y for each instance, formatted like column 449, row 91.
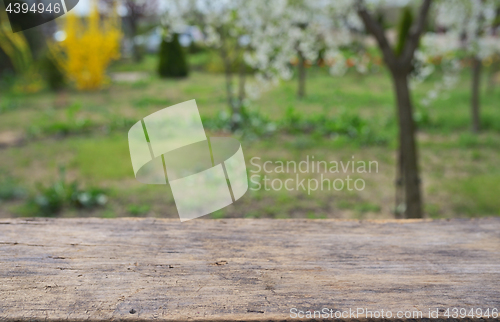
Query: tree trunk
column 476, row 82
column 226, row 60
column 400, row 193
column 229, row 86
column 242, row 79
column 407, row 148
column 136, row 50
column 233, row 106
column 237, row 105
column 302, row 75
column 400, row 66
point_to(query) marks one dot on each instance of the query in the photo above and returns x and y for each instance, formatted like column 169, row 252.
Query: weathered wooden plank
column 145, row 269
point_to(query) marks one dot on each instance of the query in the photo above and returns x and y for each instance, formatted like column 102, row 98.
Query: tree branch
column 416, row 31
column 373, row 27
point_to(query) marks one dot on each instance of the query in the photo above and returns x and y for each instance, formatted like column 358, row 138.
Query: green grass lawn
column 86, row 132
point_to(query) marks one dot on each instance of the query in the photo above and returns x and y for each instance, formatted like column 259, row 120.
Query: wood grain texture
column 220, row 270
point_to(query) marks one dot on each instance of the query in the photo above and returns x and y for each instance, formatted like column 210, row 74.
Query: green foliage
column 72, row 124
column 345, row 124
column 118, row 123
column 196, row 48
column 66, row 128
column 219, row 214
column 50, row 200
column 10, row 188
column 422, row 118
column 490, row 122
column 51, row 73
column 253, row 124
column 363, row 207
column 172, row 59
column 138, row 210
column 403, row 29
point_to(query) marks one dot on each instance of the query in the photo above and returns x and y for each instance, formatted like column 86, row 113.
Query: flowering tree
column 347, row 19
column 229, row 28
column 293, row 34
column 473, row 22
column 217, row 20
column 437, row 50
column 304, row 35
column 399, row 62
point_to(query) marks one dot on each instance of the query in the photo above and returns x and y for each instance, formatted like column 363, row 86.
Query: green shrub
column 51, row 73
column 52, row 199
column 172, row 59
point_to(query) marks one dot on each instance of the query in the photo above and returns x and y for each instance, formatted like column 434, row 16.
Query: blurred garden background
column 289, row 79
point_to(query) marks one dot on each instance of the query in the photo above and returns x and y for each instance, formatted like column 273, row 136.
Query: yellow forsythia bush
column 90, row 45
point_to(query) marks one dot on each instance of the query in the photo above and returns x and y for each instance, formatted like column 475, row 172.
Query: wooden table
column 237, row 269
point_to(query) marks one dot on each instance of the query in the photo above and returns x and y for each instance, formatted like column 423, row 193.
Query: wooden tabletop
column 246, row 269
